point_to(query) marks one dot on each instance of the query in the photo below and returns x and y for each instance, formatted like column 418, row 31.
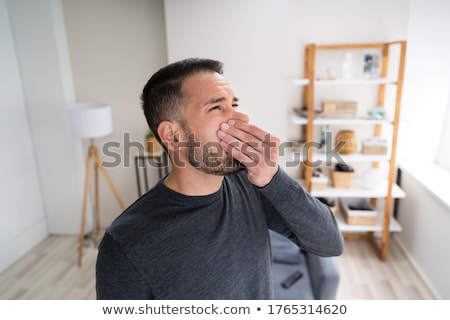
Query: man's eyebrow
column 217, row 100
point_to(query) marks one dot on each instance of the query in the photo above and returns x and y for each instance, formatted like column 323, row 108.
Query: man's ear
column 169, row 133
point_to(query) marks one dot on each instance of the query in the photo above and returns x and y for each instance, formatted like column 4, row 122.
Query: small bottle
column 347, row 71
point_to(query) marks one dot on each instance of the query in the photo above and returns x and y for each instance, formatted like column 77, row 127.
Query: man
column 202, row 231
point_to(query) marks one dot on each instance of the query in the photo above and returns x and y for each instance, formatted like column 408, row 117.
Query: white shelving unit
column 388, row 190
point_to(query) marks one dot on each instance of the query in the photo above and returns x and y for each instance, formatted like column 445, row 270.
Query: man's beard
column 210, row 157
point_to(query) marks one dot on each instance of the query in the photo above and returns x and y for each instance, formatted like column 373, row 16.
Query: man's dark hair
column 163, row 97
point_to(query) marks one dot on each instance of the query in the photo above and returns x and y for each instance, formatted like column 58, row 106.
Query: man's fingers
column 248, row 134
column 253, row 147
column 250, row 129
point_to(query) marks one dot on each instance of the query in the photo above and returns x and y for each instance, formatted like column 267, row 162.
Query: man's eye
column 235, row 105
column 215, row 108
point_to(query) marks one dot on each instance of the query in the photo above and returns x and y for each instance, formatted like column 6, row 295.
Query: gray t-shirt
column 170, row 246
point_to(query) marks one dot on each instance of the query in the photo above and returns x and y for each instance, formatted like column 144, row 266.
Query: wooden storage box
column 374, row 146
column 342, row 179
column 358, row 211
column 339, row 108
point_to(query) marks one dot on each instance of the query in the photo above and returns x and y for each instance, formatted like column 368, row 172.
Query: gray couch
column 320, row 278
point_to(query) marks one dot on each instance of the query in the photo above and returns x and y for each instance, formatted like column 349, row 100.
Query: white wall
column 424, row 216
column 31, row 126
column 250, row 38
column 425, row 236
column 39, row 36
column 115, row 46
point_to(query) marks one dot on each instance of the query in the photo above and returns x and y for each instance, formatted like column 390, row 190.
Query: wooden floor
column 365, row 277
column 50, row 271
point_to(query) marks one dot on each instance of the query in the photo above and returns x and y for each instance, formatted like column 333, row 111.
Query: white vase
column 347, row 72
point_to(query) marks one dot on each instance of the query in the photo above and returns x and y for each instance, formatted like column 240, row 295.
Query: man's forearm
column 311, row 222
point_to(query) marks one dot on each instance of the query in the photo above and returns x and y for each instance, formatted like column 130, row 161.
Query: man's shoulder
column 136, row 218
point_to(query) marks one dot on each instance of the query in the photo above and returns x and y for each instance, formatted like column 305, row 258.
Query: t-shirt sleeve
column 293, row 212
column 116, row 276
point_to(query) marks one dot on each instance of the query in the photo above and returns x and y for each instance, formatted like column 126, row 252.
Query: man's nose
column 241, row 116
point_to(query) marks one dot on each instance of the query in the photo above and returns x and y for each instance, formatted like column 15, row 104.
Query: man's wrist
column 265, row 183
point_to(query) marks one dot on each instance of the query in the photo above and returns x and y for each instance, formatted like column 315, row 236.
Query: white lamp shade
column 90, row 119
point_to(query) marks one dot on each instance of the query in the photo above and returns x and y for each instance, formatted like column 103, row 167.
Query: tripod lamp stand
column 91, row 120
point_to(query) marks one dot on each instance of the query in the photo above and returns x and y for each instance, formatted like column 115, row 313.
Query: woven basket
column 357, row 217
column 342, row 179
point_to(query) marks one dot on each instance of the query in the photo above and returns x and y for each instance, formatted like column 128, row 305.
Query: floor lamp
column 91, row 120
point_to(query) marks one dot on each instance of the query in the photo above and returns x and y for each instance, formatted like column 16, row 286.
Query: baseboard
column 416, row 266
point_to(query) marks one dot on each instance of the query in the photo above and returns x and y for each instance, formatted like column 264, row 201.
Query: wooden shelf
column 346, row 158
column 394, row 226
column 300, row 82
column 305, row 82
column 297, row 120
column 357, row 190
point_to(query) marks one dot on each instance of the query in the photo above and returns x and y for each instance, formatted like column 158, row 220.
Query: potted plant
column 151, row 143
